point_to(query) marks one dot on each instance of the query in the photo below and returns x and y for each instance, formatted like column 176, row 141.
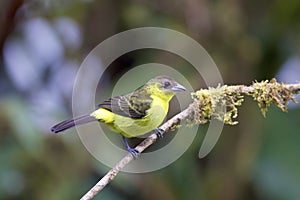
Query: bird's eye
column 166, row 84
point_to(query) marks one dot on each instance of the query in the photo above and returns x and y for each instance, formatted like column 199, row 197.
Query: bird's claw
column 133, row 152
column 159, row 132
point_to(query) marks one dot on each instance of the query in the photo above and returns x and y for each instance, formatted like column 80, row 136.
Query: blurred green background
column 42, row 44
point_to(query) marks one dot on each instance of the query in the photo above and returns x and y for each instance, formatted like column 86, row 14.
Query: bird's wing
column 133, row 105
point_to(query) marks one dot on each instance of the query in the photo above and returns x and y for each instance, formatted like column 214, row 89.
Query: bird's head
column 164, row 87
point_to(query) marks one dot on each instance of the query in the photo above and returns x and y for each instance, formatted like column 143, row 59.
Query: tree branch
column 264, row 93
column 128, row 158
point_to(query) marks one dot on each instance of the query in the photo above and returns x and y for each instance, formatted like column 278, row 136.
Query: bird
column 133, row 114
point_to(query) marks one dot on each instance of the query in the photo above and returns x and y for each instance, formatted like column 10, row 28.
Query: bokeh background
column 43, row 42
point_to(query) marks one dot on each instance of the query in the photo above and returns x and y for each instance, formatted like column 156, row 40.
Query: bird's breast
column 137, row 127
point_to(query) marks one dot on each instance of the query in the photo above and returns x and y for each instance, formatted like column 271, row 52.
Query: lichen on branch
column 222, row 102
column 271, row 92
column 216, row 103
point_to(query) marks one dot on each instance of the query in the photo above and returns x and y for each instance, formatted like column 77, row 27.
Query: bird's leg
column 133, row 151
column 159, row 132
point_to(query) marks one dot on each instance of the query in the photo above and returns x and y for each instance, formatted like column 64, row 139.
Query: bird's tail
column 72, row 122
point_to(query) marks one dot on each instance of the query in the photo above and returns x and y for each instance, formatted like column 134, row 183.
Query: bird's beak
column 177, row 88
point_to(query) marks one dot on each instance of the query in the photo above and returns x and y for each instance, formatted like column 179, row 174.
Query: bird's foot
column 159, row 132
column 133, row 151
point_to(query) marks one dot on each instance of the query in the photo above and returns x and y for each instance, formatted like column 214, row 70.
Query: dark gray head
column 164, row 85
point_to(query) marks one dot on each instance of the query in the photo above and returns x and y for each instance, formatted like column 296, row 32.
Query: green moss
column 216, row 103
column 268, row 92
column 222, row 102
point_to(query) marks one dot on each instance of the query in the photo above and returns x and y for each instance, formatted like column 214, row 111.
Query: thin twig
column 152, row 138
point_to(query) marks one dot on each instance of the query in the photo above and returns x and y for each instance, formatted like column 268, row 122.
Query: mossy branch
column 265, row 93
column 205, row 107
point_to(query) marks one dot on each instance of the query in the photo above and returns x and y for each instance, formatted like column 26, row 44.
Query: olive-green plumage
column 133, row 114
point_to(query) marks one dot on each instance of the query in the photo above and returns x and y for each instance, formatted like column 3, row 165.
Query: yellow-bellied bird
column 132, row 114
